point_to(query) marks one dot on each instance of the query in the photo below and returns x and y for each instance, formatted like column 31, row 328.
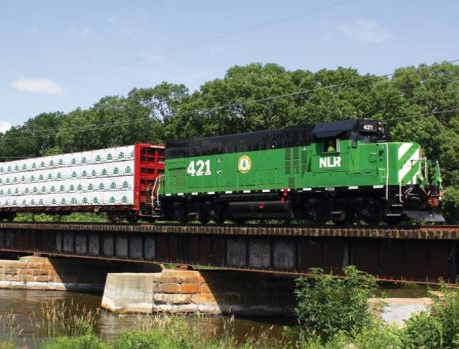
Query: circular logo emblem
column 244, row 164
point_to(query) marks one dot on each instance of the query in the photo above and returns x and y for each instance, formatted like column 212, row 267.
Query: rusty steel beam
column 419, row 254
column 442, row 232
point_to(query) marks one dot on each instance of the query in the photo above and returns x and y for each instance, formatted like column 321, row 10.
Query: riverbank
column 25, row 313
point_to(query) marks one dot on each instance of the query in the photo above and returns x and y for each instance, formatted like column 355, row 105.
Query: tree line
column 417, row 103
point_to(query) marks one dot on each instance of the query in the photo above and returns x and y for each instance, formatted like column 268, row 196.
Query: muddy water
column 24, row 313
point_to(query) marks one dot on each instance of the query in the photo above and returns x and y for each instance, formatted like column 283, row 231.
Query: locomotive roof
column 269, row 139
column 334, row 129
column 343, row 128
column 240, row 142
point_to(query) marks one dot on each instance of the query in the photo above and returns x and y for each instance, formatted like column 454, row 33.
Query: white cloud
column 4, row 126
column 365, row 30
column 44, row 86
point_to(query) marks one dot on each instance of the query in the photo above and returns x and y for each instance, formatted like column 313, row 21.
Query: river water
column 24, row 314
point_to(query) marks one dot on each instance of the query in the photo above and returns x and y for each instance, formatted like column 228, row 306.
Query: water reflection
column 23, row 318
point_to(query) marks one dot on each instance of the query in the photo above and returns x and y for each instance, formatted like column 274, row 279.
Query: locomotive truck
column 344, row 171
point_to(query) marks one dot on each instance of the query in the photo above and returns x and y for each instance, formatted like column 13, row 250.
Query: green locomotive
column 345, row 171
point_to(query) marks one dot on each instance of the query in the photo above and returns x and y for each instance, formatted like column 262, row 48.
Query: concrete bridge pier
column 216, row 292
column 65, row 274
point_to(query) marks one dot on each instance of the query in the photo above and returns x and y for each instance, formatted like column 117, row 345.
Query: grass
column 9, row 328
column 61, row 318
column 7, row 345
column 77, row 217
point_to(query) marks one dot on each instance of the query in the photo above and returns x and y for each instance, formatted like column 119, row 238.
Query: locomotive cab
column 385, row 180
column 364, row 131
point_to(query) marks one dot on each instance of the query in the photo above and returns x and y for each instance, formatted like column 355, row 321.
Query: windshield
column 372, row 137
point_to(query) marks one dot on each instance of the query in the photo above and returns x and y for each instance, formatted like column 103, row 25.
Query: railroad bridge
column 421, row 254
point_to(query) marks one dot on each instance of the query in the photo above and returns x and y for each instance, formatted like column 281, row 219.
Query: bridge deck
column 421, row 254
column 439, row 232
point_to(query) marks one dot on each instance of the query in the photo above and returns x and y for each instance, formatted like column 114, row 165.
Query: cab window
column 330, row 145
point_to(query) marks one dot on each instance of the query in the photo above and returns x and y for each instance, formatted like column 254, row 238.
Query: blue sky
column 58, row 55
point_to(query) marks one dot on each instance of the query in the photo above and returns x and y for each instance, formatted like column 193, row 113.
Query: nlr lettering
column 332, row 161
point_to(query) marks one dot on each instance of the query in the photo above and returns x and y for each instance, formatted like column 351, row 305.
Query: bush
column 440, row 329
column 327, row 304
column 423, row 331
column 378, row 336
column 339, row 341
column 82, row 342
column 148, row 340
column 445, row 310
column 165, row 333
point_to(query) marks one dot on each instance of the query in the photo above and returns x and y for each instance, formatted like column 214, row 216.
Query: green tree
column 34, row 138
column 159, row 105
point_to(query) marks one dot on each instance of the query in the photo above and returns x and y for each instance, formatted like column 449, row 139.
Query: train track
column 441, row 232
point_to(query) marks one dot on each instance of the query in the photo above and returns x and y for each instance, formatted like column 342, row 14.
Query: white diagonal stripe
column 403, row 149
column 408, row 165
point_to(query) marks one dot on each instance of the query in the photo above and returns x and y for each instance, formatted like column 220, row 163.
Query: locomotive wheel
column 349, row 218
column 339, row 218
column 371, row 213
column 340, row 222
column 219, row 220
column 204, row 213
column 132, row 217
column 203, row 216
column 115, row 217
column 239, row 221
column 219, row 214
column 183, row 214
column 316, row 214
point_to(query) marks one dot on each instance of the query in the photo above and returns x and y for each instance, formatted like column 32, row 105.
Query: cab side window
column 330, row 145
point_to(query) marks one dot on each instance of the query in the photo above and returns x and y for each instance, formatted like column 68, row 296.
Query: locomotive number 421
column 199, row 168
